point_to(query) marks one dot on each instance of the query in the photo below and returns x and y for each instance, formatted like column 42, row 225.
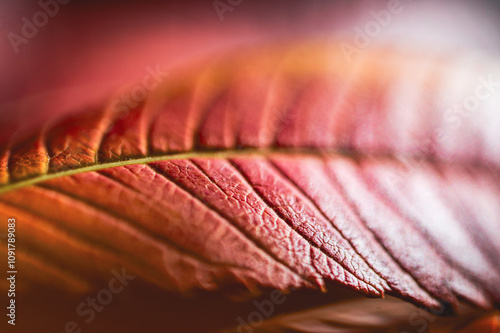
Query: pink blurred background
column 89, row 49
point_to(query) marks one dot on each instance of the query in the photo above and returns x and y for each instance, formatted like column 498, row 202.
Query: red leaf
column 281, row 169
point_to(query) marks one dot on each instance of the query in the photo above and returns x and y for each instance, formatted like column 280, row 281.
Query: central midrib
column 220, row 153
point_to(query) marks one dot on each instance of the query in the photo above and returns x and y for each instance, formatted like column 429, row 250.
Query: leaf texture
column 285, row 168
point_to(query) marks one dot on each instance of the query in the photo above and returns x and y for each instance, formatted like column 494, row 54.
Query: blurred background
column 84, row 50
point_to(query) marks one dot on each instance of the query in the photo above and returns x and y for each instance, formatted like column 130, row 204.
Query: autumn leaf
column 285, row 168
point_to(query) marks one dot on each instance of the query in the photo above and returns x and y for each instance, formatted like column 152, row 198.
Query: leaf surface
column 287, row 168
